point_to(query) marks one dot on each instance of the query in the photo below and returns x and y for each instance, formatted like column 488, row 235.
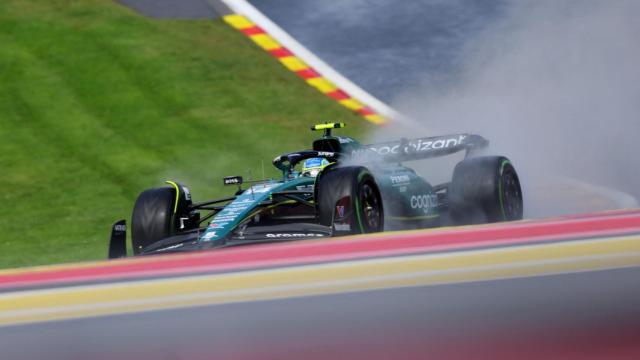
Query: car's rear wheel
column 484, row 190
column 349, row 200
column 152, row 218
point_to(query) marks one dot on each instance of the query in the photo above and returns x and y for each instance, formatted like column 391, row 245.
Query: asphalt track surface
column 573, row 298
column 573, row 316
column 386, row 47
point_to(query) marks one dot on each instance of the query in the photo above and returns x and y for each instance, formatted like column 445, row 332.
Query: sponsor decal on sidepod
column 397, row 180
column 424, row 202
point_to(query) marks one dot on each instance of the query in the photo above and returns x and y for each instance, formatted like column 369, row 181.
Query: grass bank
column 98, row 103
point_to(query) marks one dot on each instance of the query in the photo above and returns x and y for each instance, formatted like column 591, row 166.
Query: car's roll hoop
column 327, row 127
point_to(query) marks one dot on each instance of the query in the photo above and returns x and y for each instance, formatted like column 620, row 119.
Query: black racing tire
column 356, row 182
column 152, row 218
column 485, row 190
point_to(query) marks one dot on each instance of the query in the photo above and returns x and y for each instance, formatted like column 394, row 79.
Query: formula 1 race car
column 340, row 187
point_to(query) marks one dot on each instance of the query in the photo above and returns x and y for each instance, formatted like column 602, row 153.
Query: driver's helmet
column 313, row 166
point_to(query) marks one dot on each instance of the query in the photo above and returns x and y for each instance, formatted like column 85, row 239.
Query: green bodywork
column 406, row 196
column 246, row 205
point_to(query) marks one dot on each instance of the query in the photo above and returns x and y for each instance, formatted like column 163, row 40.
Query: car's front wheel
column 152, row 218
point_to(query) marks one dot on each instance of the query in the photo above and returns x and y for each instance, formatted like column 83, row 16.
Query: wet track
column 386, row 47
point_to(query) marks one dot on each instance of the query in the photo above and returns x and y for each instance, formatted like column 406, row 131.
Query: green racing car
column 338, row 187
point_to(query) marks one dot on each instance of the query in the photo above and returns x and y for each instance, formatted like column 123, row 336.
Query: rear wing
column 421, row 148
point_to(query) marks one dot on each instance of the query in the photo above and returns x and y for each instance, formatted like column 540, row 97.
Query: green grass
column 98, row 103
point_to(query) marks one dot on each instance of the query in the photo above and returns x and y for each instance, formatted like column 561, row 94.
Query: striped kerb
column 296, row 65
